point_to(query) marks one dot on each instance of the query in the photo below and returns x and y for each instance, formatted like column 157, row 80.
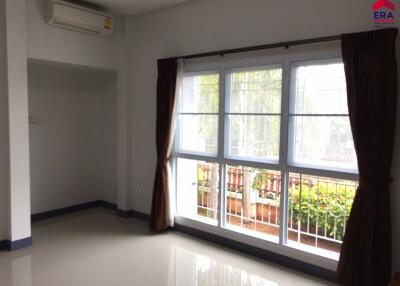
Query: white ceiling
column 134, row 7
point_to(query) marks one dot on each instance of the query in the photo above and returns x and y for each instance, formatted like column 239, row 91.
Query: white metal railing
column 318, row 207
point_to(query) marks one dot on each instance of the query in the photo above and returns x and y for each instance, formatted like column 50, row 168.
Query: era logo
column 383, row 15
column 383, row 12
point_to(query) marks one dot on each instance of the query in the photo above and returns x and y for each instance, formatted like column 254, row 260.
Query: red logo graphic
column 383, row 4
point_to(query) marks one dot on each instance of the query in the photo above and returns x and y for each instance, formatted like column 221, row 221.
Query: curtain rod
column 261, row 47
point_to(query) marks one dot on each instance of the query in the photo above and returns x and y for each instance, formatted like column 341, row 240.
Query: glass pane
column 200, row 94
column 198, row 189
column 318, row 210
column 256, row 91
column 254, row 136
column 324, row 142
column 198, row 133
column 253, row 200
column 320, row 88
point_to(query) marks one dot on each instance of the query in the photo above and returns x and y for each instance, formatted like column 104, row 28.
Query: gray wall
column 72, row 135
column 4, row 147
column 208, row 25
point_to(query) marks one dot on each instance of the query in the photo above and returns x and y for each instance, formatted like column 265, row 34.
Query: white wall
column 55, row 44
column 4, row 153
column 20, row 223
column 124, row 140
column 208, row 25
column 14, row 145
column 73, row 135
column 24, row 34
column 48, row 43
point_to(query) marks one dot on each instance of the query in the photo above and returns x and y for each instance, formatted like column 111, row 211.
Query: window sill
column 292, row 250
column 248, row 232
column 313, row 250
column 201, row 219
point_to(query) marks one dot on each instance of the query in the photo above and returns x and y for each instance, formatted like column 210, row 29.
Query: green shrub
column 323, row 202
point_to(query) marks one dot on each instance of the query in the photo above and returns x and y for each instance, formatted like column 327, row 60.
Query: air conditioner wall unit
column 70, row 16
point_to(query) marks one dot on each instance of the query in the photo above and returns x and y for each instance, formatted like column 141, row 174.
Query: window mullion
column 221, row 148
column 284, row 134
column 238, row 153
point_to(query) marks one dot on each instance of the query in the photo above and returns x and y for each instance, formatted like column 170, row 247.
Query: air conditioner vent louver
column 73, row 17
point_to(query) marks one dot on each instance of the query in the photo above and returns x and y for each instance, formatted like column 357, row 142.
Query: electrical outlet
column 138, row 189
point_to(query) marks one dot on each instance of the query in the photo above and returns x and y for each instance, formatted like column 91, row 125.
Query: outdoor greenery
column 320, row 205
column 208, row 99
column 256, row 92
column 201, row 178
column 261, row 181
column 323, row 203
column 209, row 103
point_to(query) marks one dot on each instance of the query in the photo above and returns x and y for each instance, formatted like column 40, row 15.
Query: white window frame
column 176, row 145
column 227, row 112
column 291, row 113
column 286, row 59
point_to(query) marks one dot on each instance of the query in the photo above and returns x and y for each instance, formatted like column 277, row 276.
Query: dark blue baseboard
column 132, row 213
column 107, row 205
column 260, row 253
column 72, row 209
column 232, row 244
column 16, row 244
column 86, row 206
column 21, row 243
column 4, row 245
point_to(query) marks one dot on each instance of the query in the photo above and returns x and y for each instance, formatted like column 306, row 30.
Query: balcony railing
column 318, row 207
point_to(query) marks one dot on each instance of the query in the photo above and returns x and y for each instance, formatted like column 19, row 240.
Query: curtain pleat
column 166, row 93
column 371, row 75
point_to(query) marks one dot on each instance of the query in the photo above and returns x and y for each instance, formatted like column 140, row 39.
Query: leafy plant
column 325, row 205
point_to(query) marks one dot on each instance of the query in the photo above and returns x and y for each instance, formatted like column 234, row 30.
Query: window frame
column 291, row 114
column 227, row 112
column 177, row 144
column 286, row 59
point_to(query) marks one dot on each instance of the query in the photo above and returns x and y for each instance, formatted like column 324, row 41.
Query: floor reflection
column 19, row 270
column 199, row 270
column 98, row 248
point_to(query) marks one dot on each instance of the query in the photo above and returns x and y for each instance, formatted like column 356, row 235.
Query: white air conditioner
column 70, row 16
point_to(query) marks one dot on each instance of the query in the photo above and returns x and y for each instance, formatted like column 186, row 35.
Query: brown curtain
column 371, row 75
column 166, row 85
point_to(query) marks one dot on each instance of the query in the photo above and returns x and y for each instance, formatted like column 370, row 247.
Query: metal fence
column 318, row 208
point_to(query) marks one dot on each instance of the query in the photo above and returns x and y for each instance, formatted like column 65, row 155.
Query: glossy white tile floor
column 98, row 248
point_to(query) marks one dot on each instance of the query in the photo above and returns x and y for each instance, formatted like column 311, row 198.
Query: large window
column 266, row 150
